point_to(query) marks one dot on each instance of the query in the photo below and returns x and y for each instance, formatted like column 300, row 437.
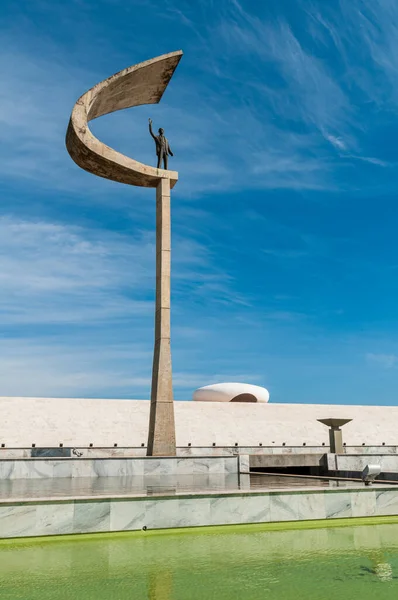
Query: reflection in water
column 380, row 566
column 153, row 490
column 160, row 585
column 351, row 563
column 154, row 484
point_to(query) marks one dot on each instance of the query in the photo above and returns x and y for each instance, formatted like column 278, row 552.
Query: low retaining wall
column 43, row 518
column 118, row 451
column 44, row 468
column 352, row 465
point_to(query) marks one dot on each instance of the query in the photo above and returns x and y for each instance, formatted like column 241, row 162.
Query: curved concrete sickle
column 143, row 83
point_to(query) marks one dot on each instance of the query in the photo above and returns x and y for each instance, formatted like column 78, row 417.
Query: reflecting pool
column 318, row 564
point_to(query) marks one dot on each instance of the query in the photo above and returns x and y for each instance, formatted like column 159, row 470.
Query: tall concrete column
column 161, row 437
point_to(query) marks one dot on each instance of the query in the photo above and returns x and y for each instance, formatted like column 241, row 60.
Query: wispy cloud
column 84, row 298
column 335, row 141
column 386, row 361
column 209, row 142
column 52, row 272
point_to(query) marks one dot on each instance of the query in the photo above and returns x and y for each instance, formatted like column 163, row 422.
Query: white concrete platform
column 79, row 422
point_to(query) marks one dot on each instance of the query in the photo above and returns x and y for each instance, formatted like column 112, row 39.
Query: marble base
column 33, row 518
column 44, row 468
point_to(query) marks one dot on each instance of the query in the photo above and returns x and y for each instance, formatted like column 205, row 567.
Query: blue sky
column 284, row 124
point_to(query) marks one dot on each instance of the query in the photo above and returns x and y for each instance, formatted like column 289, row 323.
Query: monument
column 163, row 149
column 140, row 84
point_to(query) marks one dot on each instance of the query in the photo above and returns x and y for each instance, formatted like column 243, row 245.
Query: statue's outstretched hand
column 171, row 154
column 150, row 121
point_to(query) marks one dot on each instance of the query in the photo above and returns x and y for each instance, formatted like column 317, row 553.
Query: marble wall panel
column 311, row 506
column 41, row 469
column 111, row 467
column 185, row 466
column 6, row 469
column 387, row 502
column 256, row 508
column 83, row 468
column 231, row 465
column 17, row 520
column 222, row 466
column 244, row 463
column 54, row 519
column 62, row 469
column 284, row 507
column 134, row 467
column 193, row 512
column 159, row 466
column 363, row 503
column 226, row 510
column 201, row 466
column 338, row 505
column 162, row 513
column 127, row 515
column 90, row 516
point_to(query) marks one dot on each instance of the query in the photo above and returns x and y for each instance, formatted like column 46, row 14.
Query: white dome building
column 231, row 392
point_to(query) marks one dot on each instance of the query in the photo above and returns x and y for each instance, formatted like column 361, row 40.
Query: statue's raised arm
column 150, row 129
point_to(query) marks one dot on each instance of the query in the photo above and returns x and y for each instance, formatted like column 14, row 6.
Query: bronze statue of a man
column 163, row 149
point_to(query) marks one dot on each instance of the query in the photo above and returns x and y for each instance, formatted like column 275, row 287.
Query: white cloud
column 39, row 91
column 335, row 141
column 77, row 307
column 53, row 273
column 52, row 367
column 373, row 161
column 387, row 361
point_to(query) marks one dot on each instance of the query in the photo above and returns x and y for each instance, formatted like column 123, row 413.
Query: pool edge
column 205, row 530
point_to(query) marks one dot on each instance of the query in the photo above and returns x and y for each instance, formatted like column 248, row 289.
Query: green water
column 345, row 563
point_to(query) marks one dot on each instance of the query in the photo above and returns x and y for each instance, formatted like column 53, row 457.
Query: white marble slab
column 62, row 468
column 311, row 506
column 83, row 468
column 231, row 464
column 363, row 503
column 338, row 505
column 91, row 516
column 134, row 467
column 185, row 466
column 193, row 513
column 284, row 507
column 244, row 463
column 6, row 469
column 256, row 509
column 127, row 515
column 17, row 520
column 387, row 502
column 159, row 466
column 226, row 510
column 162, row 514
column 201, row 466
column 54, row 519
